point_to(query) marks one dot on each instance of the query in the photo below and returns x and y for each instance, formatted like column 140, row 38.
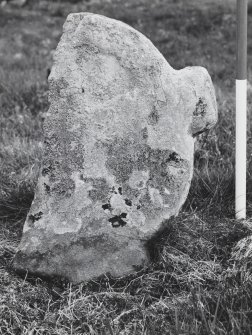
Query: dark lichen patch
column 46, row 170
column 115, row 190
column 34, row 217
column 153, row 117
column 128, row 202
column 47, row 188
column 106, row 206
column 174, row 157
column 117, row 220
column 201, row 108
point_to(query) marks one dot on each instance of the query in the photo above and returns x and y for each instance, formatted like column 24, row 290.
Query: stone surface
column 118, row 153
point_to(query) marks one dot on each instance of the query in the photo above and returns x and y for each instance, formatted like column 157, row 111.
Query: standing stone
column 118, row 151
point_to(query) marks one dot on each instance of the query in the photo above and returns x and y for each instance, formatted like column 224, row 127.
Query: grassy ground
column 194, row 285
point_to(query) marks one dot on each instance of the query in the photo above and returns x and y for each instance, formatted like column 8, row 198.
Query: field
column 194, row 284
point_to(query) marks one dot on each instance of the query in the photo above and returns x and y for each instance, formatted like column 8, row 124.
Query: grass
column 196, row 283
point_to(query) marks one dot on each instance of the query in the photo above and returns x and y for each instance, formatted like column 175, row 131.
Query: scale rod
column 241, row 110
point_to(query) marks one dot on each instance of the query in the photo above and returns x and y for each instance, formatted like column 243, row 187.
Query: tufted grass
column 193, row 285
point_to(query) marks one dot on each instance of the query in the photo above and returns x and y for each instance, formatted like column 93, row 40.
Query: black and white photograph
column 125, row 167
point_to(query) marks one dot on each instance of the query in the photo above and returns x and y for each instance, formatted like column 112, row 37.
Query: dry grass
column 196, row 283
column 188, row 289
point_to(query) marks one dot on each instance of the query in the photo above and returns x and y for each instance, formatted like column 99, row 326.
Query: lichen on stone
column 118, row 151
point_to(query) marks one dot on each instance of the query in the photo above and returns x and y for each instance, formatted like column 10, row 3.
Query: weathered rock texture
column 118, row 159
